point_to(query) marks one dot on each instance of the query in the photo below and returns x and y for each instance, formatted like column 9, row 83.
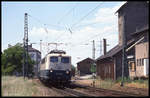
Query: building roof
column 30, row 49
column 111, row 52
column 85, row 60
column 121, row 7
column 125, row 4
column 144, row 28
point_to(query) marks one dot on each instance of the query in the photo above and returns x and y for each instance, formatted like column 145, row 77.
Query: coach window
column 65, row 60
column 53, row 59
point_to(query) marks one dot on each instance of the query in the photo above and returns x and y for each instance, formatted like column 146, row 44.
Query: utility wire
column 86, row 15
column 79, row 26
column 69, row 29
column 38, row 20
column 51, row 25
column 86, row 40
column 67, row 13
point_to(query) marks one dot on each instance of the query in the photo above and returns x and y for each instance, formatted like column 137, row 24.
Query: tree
column 12, row 60
column 93, row 68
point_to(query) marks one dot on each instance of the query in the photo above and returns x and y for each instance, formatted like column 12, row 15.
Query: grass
column 104, row 83
column 17, row 86
column 108, row 83
column 130, row 86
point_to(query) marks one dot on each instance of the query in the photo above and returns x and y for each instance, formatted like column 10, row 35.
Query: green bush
column 139, row 81
column 12, row 60
column 119, row 80
column 126, row 79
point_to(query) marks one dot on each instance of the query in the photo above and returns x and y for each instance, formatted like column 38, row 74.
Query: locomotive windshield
column 53, row 59
column 65, row 59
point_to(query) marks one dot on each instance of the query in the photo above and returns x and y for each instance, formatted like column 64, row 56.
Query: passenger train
column 56, row 67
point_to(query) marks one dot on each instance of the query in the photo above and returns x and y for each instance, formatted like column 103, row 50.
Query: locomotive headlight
column 51, row 70
column 67, row 72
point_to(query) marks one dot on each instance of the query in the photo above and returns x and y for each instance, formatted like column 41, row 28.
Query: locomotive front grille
column 59, row 73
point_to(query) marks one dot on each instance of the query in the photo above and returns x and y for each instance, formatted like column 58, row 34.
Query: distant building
column 36, row 56
column 84, row 66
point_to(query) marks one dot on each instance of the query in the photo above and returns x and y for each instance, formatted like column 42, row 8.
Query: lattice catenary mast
column 25, row 65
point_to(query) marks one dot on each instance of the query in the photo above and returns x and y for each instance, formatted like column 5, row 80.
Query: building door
column 132, row 66
column 146, row 67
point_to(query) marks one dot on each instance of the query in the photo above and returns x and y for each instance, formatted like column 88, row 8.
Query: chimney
column 104, row 42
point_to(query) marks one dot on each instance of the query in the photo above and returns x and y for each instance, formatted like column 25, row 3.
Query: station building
column 133, row 24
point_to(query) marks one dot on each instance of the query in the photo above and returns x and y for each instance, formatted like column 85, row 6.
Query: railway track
column 70, row 92
column 78, row 90
column 66, row 90
column 107, row 92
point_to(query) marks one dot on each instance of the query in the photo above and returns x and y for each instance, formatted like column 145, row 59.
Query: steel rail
column 113, row 92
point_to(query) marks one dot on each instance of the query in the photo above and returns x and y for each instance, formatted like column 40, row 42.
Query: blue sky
column 57, row 13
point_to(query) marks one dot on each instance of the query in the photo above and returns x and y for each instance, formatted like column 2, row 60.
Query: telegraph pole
column 41, row 47
column 23, row 70
column 94, row 64
column 100, row 47
column 25, row 64
column 93, row 54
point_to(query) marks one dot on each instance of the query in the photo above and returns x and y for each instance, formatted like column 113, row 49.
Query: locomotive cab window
column 65, row 59
column 53, row 59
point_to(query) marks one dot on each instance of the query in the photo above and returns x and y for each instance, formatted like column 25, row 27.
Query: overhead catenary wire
column 81, row 19
column 79, row 26
column 67, row 13
column 69, row 29
column 44, row 26
column 87, row 40
column 52, row 25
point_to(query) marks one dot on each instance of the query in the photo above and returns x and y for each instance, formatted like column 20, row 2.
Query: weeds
column 16, row 86
column 108, row 83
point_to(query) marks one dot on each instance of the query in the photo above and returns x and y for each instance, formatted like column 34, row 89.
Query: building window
column 142, row 61
column 32, row 55
column 137, row 62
